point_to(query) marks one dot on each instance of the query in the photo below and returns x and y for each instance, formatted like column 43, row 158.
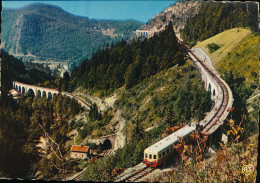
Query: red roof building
column 15, row 94
column 79, row 151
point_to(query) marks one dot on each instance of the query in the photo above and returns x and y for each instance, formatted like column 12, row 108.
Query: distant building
column 15, row 94
column 79, row 151
column 143, row 33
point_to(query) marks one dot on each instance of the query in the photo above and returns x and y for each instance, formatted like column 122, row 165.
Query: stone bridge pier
column 210, row 85
column 36, row 91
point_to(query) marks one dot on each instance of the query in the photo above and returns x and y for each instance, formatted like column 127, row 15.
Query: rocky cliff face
column 178, row 13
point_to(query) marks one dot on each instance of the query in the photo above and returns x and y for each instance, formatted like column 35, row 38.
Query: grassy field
column 228, row 41
column 238, row 62
column 238, row 53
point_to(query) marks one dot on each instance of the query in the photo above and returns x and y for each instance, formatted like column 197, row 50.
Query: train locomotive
column 157, row 154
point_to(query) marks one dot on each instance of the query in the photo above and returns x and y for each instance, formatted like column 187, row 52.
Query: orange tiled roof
column 15, row 92
column 12, row 90
column 79, row 148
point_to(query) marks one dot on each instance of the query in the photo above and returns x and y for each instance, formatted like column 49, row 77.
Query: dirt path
column 120, row 138
column 103, row 105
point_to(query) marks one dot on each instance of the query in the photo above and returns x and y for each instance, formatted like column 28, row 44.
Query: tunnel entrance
column 106, row 145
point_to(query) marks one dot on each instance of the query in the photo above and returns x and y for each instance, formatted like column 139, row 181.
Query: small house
column 80, row 152
column 15, row 94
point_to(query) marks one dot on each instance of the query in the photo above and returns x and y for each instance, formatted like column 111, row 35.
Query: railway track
column 140, row 174
column 78, row 177
column 221, row 105
column 107, row 152
column 77, row 98
column 136, row 175
column 223, row 95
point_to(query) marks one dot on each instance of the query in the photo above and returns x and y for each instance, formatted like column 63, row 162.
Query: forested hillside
column 128, row 64
column 43, row 31
column 11, row 68
column 20, row 120
column 215, row 17
column 14, row 69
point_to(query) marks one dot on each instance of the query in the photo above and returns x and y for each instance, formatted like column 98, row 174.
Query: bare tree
column 55, row 148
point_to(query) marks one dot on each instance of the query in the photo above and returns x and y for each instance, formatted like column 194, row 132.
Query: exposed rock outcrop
column 179, row 13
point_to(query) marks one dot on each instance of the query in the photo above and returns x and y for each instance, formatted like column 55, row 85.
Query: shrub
column 213, row 47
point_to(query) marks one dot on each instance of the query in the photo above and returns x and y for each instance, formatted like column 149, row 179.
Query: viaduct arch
column 210, row 83
column 143, row 33
column 36, row 91
column 48, row 93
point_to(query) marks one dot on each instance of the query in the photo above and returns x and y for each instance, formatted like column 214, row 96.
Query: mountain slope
column 48, row 32
column 227, row 39
column 238, row 53
column 177, row 13
column 216, row 17
column 128, row 64
column 237, row 60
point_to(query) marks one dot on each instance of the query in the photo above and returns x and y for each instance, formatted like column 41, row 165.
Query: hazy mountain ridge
column 47, row 31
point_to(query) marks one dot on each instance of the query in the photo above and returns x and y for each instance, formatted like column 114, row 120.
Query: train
column 157, row 154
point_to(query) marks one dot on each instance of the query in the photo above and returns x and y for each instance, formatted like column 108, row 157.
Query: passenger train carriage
column 157, row 153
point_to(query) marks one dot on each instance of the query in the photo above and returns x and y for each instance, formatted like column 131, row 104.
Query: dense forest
column 161, row 89
column 48, row 32
column 18, row 153
column 128, row 64
column 215, row 17
column 29, row 73
column 11, row 68
column 19, row 156
column 170, row 98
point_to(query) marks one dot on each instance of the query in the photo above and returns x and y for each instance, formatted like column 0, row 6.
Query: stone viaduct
column 143, row 33
column 35, row 90
column 209, row 82
column 222, row 100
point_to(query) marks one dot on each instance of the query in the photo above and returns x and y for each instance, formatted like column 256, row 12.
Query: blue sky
column 118, row 10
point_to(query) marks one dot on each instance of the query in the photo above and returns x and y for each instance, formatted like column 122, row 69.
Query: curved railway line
column 223, row 96
column 222, row 104
column 210, row 123
column 77, row 98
